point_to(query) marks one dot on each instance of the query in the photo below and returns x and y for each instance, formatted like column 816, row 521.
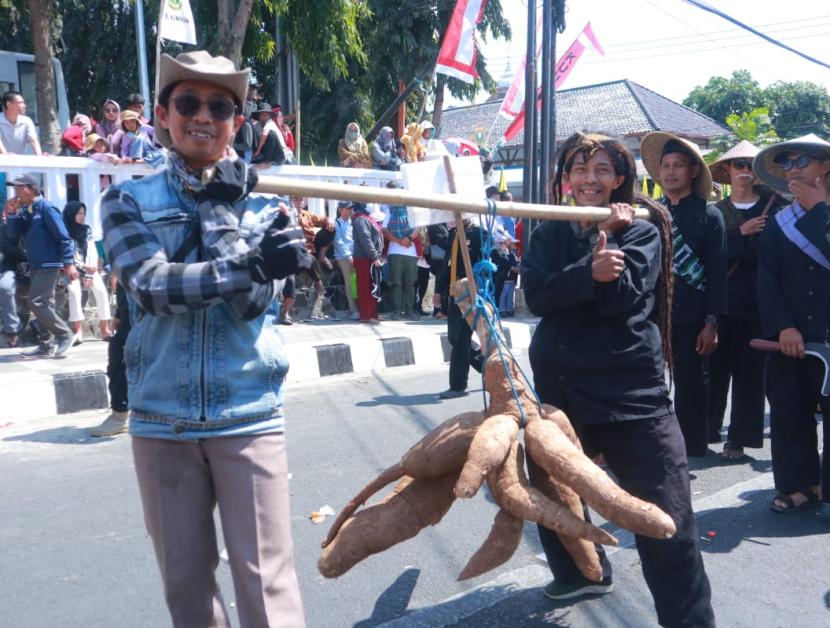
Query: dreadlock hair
column 589, row 144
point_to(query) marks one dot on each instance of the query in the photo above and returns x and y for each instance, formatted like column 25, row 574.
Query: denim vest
column 207, row 373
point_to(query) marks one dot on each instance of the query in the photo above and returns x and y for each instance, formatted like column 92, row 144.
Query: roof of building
column 617, row 108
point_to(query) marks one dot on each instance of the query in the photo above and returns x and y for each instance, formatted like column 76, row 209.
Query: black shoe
column 453, row 394
column 41, row 351
column 556, row 591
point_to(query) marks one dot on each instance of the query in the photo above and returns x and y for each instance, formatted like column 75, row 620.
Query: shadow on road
column 393, row 602
column 68, row 435
column 754, row 521
column 422, row 399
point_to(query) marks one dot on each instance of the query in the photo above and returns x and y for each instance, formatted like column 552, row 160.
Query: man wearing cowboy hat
column 700, row 275
column 794, row 300
column 197, row 254
column 745, row 213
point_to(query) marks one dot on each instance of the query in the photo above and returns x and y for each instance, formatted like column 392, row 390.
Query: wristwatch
column 711, row 319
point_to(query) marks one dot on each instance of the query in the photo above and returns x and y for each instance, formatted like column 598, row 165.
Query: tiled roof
column 619, row 108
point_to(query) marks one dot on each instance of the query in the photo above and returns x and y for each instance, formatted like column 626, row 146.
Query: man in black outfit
column 463, row 352
column 745, row 213
column 699, row 272
column 794, row 299
column 597, row 354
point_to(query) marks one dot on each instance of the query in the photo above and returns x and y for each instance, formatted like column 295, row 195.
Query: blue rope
column 483, row 274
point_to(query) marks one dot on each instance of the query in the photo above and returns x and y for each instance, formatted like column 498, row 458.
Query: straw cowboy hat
column 200, row 66
column 766, row 164
column 741, row 150
column 651, row 151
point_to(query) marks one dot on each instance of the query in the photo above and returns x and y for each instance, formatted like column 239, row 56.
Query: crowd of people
column 628, row 308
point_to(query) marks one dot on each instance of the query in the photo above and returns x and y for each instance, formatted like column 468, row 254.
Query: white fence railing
column 78, row 178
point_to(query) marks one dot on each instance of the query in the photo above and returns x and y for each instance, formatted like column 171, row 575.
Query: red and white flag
column 514, row 100
column 457, row 57
column 564, row 66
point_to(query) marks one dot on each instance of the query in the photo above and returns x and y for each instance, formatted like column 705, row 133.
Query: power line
column 705, row 7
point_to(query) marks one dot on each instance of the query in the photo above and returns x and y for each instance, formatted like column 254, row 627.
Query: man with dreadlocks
column 700, row 266
column 604, row 295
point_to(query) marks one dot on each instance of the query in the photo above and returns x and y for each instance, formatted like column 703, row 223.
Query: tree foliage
column 753, row 126
column 794, row 108
column 351, row 53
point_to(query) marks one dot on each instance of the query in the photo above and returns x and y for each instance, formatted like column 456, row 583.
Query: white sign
column 430, row 176
column 176, row 22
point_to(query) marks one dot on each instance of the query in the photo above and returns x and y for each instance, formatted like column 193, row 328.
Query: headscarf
column 79, row 233
column 357, row 145
column 82, row 121
column 386, row 140
column 106, row 128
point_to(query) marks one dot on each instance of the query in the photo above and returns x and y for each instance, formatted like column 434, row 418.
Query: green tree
column 753, row 126
column 799, row 108
column 723, row 96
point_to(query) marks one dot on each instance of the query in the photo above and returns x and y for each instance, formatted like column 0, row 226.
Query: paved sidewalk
column 37, row 388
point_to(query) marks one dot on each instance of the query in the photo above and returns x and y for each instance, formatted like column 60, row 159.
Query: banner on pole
column 457, row 57
column 563, row 69
column 514, row 100
column 176, row 22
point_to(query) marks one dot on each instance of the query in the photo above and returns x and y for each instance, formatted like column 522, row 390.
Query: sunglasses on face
column 800, row 162
column 189, row 105
column 742, row 164
column 110, row 110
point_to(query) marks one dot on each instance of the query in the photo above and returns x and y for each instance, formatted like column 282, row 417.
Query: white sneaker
column 78, row 339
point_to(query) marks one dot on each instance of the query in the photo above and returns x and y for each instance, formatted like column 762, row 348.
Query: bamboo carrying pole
column 448, row 202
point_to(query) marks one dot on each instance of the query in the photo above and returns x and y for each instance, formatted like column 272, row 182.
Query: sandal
column 733, row 453
column 812, row 500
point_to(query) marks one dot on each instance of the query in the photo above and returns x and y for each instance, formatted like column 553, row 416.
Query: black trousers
column 463, row 353
column 649, row 459
column 795, row 387
column 116, row 368
column 691, row 388
column 421, row 288
column 734, row 359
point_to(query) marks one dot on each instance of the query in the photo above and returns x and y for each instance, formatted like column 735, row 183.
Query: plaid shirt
column 161, row 287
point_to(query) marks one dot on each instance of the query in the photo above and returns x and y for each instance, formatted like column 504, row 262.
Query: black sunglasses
column 800, row 162
column 742, row 164
column 188, row 105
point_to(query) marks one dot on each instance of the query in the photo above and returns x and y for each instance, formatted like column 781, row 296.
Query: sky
column 671, row 46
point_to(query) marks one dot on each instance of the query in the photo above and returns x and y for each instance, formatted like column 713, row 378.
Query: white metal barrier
column 78, row 178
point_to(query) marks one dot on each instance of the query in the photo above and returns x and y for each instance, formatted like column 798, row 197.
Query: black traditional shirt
column 703, row 230
column 597, row 339
column 793, row 288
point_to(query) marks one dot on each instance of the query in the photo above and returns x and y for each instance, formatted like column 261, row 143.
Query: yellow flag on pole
column 502, row 181
column 658, row 191
column 645, row 186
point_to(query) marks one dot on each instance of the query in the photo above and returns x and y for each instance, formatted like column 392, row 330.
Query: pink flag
column 457, row 57
column 564, row 66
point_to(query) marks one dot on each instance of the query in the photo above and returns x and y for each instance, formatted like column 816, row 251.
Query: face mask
column 351, row 135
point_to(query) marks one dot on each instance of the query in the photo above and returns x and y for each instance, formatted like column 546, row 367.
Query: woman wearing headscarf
column 353, row 149
column 110, row 124
column 384, row 151
column 86, row 260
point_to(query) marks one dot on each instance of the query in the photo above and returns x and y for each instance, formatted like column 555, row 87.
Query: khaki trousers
column 181, row 483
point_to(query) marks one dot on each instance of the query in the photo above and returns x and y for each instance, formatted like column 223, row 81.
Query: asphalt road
column 75, row 552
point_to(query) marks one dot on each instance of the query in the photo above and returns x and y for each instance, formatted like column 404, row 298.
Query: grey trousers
column 8, row 308
column 181, row 483
column 42, row 305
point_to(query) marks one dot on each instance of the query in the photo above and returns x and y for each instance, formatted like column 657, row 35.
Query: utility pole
column 142, row 58
column 529, row 189
column 548, row 130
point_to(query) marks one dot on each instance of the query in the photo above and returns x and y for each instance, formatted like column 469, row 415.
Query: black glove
column 281, row 252
column 232, row 180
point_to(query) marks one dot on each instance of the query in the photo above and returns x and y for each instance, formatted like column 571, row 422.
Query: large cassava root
column 412, row 506
column 464, row 451
column 498, row 547
column 442, row 450
column 555, row 453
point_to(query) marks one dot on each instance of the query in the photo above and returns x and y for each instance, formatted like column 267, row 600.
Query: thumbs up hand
column 607, row 264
